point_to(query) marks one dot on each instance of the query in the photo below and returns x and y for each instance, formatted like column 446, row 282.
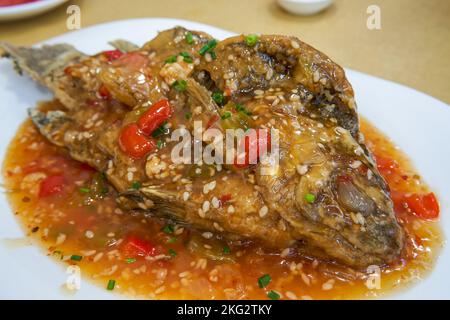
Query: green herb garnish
column 161, row 130
column 168, row 229
column 172, row 240
column 251, row 40
column 172, row 252
column 179, row 85
column 310, row 198
column 76, row 257
column 188, row 115
column 208, row 47
column 218, row 97
column 111, row 285
column 136, row 185
column 171, row 59
column 84, row 190
column 226, row 250
column 264, row 281
column 226, row 115
column 186, row 57
column 189, row 37
column 130, row 260
column 273, row 295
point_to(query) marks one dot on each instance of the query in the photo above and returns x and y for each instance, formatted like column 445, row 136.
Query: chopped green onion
column 251, row 40
column 310, row 198
column 159, row 144
column 168, row 229
column 172, row 252
column 226, row 115
column 208, row 47
column 213, row 55
column 188, row 115
column 84, row 190
column 264, row 281
column 218, row 97
column 111, row 285
column 130, row 260
column 76, row 257
column 136, row 185
column 186, row 57
column 179, row 85
column 171, row 59
column 226, row 250
column 273, row 295
column 172, row 240
column 240, row 108
column 189, row 38
column 161, row 130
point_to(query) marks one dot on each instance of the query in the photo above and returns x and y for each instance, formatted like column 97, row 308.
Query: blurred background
column 412, row 47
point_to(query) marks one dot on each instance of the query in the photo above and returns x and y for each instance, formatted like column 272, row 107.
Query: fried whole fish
column 324, row 197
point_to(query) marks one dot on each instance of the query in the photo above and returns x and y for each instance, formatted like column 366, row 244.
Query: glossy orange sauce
column 72, row 223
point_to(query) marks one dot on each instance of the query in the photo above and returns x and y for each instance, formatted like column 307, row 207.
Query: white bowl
column 28, row 9
column 305, row 7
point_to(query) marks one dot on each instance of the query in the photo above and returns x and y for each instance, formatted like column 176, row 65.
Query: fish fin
column 50, row 124
column 41, row 62
column 123, row 45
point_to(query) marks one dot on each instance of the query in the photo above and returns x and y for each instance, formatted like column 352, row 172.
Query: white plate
column 418, row 123
column 28, row 9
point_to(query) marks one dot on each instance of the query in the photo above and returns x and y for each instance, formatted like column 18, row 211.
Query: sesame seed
column 186, row 196
column 206, row 206
column 89, row 234
column 302, row 169
column 230, row 209
column 290, row 295
column 215, row 202
column 295, row 44
column 285, row 252
column 355, row 164
column 328, row 285
column 207, row 235
column 263, row 211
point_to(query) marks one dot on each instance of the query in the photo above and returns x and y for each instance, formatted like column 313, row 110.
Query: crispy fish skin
column 351, row 220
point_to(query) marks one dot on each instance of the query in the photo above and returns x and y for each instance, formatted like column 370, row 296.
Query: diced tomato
column 224, row 199
column 51, row 185
column 137, row 247
column 155, row 116
column 112, row 55
column 134, row 143
column 423, row 206
column 104, row 92
column 255, row 147
column 386, row 166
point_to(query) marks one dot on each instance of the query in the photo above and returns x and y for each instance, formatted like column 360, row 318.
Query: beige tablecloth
column 412, row 47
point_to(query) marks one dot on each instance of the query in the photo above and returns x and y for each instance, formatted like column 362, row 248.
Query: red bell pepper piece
column 51, row 185
column 137, row 247
column 155, row 116
column 112, row 55
column 134, row 143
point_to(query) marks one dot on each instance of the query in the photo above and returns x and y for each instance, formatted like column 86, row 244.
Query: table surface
column 412, row 47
